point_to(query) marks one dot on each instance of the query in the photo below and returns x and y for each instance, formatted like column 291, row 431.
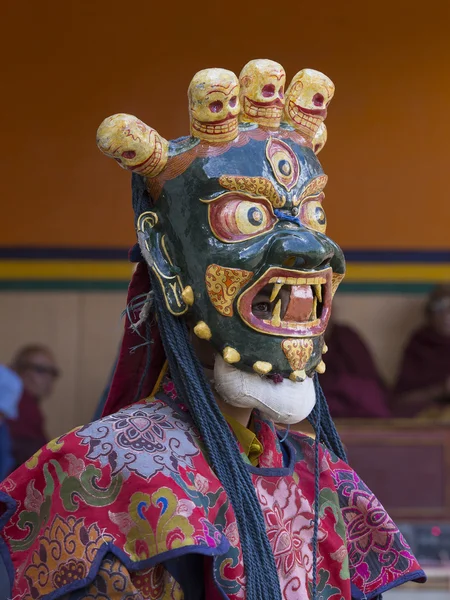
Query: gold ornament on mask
column 202, row 331
column 321, row 367
column 230, row 355
column 298, row 375
column 188, row 295
column 261, row 367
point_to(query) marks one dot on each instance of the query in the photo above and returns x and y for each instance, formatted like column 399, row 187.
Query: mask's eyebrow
column 260, row 186
column 313, row 187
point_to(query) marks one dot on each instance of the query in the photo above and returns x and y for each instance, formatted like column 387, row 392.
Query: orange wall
column 67, row 65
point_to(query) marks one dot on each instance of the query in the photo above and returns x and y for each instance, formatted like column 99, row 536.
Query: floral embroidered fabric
column 110, row 503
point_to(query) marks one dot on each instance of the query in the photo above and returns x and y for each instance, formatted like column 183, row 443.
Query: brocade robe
column 128, row 508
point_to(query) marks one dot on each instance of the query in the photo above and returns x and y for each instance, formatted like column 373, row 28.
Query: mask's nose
column 300, row 250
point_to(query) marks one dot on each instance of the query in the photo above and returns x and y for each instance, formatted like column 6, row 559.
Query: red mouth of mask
column 300, row 302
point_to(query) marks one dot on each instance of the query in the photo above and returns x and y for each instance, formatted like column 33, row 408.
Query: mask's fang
column 318, row 291
column 275, row 291
column 276, row 318
column 314, row 309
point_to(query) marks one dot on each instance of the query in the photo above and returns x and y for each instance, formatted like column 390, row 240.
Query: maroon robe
column 352, row 385
column 27, row 431
column 425, row 364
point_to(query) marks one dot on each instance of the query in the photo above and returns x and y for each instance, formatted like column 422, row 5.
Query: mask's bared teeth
column 275, row 291
column 276, row 317
column 314, row 310
column 318, row 291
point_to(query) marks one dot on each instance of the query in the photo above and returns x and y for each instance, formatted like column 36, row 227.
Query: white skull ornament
column 214, row 105
column 133, row 144
column 307, row 99
column 262, row 92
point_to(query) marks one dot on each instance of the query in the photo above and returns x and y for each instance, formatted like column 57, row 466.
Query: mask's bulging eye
column 250, row 218
column 312, row 214
column 237, row 217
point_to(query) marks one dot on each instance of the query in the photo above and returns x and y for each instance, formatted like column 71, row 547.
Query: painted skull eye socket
column 281, row 93
column 318, row 100
column 235, row 217
column 268, row 90
column 312, row 214
column 216, row 106
column 233, row 101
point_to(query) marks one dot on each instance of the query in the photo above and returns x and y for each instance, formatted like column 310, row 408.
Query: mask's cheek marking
column 298, row 352
column 223, row 284
column 337, row 278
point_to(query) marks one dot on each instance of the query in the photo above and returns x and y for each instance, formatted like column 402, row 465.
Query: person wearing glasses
column 36, row 366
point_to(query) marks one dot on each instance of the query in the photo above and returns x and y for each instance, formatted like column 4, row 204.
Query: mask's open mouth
column 288, row 303
column 230, row 123
column 268, row 110
column 309, row 118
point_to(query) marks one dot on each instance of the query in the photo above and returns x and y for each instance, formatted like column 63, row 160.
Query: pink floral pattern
column 34, row 499
column 201, row 483
column 289, row 521
column 76, row 465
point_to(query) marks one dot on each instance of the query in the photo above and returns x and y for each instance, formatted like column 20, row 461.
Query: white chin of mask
column 287, row 402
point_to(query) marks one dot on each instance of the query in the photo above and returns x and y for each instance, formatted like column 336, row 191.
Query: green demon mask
column 233, row 224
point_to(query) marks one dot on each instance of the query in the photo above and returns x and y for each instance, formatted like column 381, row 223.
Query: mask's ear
column 154, row 250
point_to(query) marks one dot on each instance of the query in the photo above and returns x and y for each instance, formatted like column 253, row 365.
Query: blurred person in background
column 351, row 383
column 36, row 366
column 423, row 384
column 10, row 392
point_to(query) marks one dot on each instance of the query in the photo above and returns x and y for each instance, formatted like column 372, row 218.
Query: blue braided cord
column 327, row 425
column 316, row 503
column 287, row 217
column 187, row 373
column 326, row 433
